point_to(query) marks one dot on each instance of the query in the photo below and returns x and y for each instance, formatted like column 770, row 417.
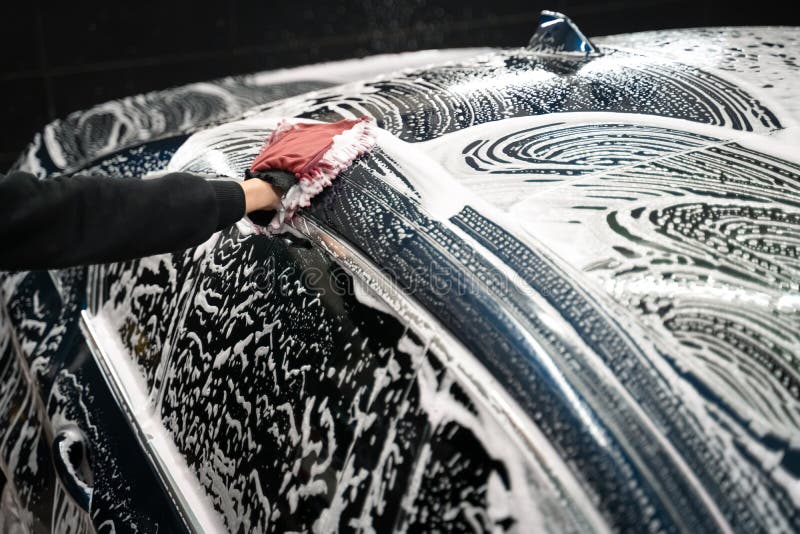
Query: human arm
column 66, row 221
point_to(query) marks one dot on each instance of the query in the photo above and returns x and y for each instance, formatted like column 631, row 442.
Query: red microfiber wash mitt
column 312, row 152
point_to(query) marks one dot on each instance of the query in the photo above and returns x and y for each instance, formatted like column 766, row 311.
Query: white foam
column 367, row 67
column 126, row 379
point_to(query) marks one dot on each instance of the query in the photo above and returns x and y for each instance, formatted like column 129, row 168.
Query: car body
column 560, row 294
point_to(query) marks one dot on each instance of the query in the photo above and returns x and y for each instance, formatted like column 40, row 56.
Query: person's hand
column 260, row 195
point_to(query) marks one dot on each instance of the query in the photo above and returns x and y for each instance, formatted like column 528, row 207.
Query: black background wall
column 57, row 57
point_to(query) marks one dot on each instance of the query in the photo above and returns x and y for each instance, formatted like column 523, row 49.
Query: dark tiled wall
column 58, row 57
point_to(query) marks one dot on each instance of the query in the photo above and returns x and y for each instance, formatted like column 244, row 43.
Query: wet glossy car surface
column 561, row 294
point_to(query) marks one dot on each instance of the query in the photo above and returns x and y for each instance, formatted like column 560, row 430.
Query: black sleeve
column 78, row 220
